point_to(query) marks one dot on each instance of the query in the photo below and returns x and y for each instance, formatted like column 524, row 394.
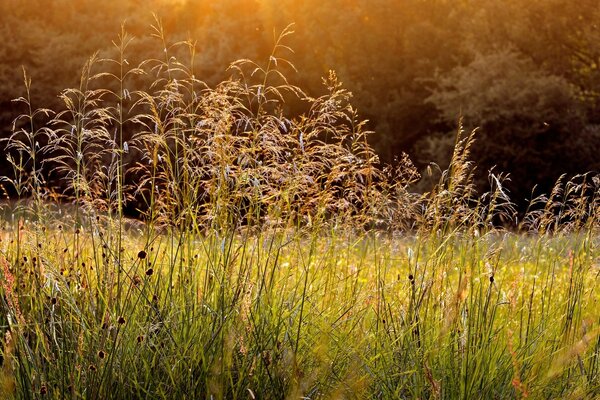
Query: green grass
column 292, row 314
column 275, row 258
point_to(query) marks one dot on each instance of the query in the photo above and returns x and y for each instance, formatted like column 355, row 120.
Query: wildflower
column 137, row 280
column 149, row 272
column 142, row 254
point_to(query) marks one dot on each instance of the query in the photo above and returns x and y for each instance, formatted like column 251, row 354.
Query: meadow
column 274, row 257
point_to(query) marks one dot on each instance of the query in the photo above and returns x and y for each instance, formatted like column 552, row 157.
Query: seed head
column 142, row 255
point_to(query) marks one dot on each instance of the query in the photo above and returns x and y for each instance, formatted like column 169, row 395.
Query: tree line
column 525, row 74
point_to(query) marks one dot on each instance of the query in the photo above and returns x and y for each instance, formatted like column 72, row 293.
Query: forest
column 525, row 74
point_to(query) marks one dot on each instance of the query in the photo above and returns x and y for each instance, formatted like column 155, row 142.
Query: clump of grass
column 276, row 257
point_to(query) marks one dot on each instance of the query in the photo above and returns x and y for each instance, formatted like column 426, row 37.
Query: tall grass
column 275, row 256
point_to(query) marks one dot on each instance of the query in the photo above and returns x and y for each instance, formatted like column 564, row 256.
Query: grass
column 275, row 257
column 297, row 314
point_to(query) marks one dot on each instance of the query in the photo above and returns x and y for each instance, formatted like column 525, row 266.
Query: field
column 274, row 257
column 297, row 314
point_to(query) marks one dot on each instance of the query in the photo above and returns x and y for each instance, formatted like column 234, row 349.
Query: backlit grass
column 274, row 257
column 293, row 314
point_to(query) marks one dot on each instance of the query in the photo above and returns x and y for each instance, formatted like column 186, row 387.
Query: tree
column 531, row 121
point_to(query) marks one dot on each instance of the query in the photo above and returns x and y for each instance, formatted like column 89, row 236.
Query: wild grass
column 275, row 257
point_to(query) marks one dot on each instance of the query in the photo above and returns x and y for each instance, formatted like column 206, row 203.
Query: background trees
column 526, row 73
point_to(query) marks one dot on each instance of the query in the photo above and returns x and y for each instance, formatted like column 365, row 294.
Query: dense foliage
column 526, row 73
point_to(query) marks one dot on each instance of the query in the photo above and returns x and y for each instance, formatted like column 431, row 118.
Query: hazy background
column 525, row 72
